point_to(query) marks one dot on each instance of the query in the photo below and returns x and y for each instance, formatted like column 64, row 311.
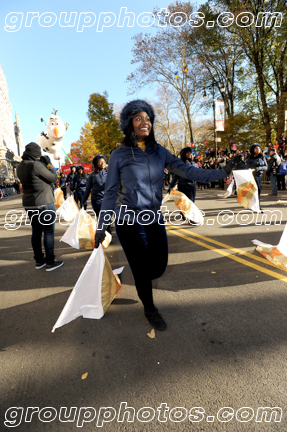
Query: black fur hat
column 79, row 167
column 252, row 148
column 97, row 158
column 184, row 151
column 131, row 109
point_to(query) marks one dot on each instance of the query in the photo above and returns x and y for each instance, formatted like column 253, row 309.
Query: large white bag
column 94, row 291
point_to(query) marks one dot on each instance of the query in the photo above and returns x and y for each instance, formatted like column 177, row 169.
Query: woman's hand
column 99, row 238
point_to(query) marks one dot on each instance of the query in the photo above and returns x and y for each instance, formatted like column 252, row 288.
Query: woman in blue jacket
column 80, row 186
column 96, row 183
column 63, row 184
column 133, row 194
column 257, row 162
column 282, row 174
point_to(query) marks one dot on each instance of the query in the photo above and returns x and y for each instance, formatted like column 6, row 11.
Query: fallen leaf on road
column 84, row 376
column 151, row 334
column 213, row 272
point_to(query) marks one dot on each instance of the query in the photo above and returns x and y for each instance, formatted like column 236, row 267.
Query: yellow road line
column 231, row 256
column 239, row 251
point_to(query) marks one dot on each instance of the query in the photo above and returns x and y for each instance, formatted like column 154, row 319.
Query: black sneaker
column 40, row 264
column 156, row 320
column 56, row 264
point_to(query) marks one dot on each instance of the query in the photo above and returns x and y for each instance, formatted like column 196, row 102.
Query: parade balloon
column 208, row 148
column 206, row 142
column 231, row 141
column 206, row 152
column 197, row 153
column 51, row 140
column 199, row 157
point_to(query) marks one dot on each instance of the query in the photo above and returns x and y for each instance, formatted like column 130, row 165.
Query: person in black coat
column 257, row 162
column 71, row 179
column 37, row 176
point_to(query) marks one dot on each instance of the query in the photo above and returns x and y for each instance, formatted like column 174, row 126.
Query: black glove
column 229, row 166
column 256, row 172
column 45, row 160
column 99, row 238
column 169, row 191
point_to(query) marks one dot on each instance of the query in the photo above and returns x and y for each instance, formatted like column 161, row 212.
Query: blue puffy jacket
column 135, row 179
column 283, row 169
column 80, row 183
column 96, row 181
column 71, row 177
column 258, row 163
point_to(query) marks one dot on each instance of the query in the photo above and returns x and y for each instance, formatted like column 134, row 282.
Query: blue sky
column 59, row 67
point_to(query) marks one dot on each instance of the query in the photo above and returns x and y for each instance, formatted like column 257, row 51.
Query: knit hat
column 80, row 167
column 97, row 158
column 272, row 149
column 33, row 149
column 131, row 109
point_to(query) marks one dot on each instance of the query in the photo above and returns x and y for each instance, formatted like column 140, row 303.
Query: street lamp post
column 222, row 89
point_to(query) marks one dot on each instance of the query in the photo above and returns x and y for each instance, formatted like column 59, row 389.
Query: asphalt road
column 225, row 346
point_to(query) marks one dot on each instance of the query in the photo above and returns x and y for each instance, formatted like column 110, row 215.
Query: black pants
column 146, row 250
column 43, row 222
column 258, row 182
column 189, row 191
column 281, row 182
column 64, row 189
column 80, row 196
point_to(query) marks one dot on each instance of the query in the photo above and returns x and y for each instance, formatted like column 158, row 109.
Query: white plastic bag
column 82, row 232
column 94, row 291
column 68, row 209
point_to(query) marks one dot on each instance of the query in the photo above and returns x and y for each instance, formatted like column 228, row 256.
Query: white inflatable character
column 51, row 141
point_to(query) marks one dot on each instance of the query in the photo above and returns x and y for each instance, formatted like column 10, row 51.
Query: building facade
column 11, row 144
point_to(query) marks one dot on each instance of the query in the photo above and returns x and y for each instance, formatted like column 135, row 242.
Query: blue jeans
column 43, row 221
column 273, row 181
column 146, row 250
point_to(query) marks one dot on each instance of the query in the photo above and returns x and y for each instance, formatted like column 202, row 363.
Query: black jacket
column 273, row 162
column 36, row 181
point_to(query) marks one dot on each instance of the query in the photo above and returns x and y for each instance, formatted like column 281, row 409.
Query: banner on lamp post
column 219, row 116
